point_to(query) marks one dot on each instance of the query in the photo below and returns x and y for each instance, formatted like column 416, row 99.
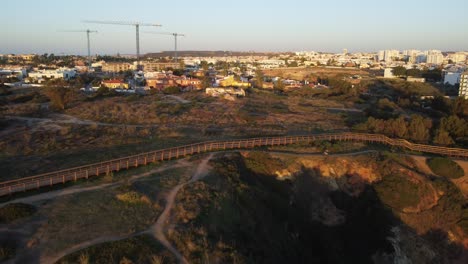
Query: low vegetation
column 15, row 211
column 398, row 192
column 243, row 214
column 445, row 167
column 141, row 249
column 7, row 250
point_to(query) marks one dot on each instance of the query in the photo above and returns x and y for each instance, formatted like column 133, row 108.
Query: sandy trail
column 78, row 189
column 178, row 99
column 158, row 229
column 68, row 119
column 421, row 164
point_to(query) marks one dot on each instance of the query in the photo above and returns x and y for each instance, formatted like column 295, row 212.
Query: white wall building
column 435, row 58
column 62, row 73
column 458, row 57
column 388, row 55
column 463, row 90
column 411, row 53
column 388, row 73
column 17, row 72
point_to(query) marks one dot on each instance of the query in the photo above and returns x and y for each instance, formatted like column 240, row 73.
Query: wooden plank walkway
column 106, row 167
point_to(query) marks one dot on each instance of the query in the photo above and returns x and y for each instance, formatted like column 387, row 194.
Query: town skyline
column 262, row 26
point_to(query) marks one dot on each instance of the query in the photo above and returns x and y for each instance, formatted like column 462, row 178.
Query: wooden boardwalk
column 106, row 167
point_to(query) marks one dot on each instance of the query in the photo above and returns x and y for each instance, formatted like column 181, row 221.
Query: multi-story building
column 116, row 67
column 388, row 55
column 435, row 58
column 458, row 57
column 148, row 66
column 463, row 90
column 410, row 53
column 420, row 58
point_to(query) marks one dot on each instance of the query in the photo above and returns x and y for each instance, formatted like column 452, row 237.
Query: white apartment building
column 62, row 73
column 458, row 57
column 388, row 73
column 435, row 58
column 411, row 53
column 463, row 90
column 17, row 72
column 388, row 55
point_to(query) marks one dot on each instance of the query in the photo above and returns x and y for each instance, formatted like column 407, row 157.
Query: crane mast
column 137, row 29
column 175, row 35
column 87, row 31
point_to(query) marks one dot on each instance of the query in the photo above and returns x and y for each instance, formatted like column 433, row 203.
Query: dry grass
column 310, row 73
column 109, row 212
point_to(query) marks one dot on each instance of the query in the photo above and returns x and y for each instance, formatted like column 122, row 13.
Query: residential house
column 115, row 84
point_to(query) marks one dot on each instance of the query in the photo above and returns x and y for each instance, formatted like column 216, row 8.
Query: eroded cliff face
column 433, row 208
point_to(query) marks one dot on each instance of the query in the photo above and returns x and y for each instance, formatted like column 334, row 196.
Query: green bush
column 263, row 163
column 7, row 251
column 131, row 197
column 445, row 167
column 171, row 90
column 14, row 211
column 398, row 192
column 140, row 249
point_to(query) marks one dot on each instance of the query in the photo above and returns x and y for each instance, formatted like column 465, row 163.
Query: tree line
column 432, row 75
column 419, row 129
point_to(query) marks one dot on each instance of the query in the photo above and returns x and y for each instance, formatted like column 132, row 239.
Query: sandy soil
column 159, row 228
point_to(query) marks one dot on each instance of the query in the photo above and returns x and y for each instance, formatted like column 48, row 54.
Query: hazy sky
column 32, row 26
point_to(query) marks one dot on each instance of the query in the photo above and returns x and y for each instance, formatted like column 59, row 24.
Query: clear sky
column 32, row 26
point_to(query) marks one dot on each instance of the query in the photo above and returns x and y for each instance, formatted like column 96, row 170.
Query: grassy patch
column 445, row 167
column 398, row 192
column 263, row 163
column 132, row 197
column 141, row 249
column 78, row 218
column 15, row 211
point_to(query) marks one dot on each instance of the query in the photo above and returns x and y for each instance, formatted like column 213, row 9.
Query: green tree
column 460, row 107
column 441, row 104
column 171, row 90
column 279, row 85
column 398, row 127
column 455, row 126
column 443, row 138
column 204, row 65
column 206, row 82
column 293, row 64
column 418, row 129
column 414, row 73
column 259, row 78
column 60, row 97
column 182, row 64
column 399, row 71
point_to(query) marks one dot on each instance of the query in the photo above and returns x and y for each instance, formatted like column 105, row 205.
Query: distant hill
column 196, row 53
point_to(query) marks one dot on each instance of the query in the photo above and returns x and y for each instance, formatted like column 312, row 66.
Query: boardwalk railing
column 106, row 167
